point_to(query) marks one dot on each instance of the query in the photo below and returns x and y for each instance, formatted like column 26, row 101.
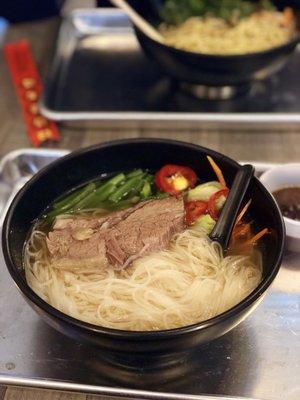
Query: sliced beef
column 71, row 223
column 74, row 240
column 70, row 247
column 119, row 237
column 148, row 229
column 104, row 222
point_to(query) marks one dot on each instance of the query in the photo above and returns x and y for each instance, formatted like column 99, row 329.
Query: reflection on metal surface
column 86, row 83
column 95, row 43
column 215, row 92
column 288, row 278
column 259, row 359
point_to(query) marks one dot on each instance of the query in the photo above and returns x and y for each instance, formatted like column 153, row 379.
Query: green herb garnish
column 177, row 11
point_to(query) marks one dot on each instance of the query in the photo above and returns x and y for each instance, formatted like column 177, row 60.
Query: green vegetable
column 125, row 189
column 204, row 191
column 52, row 214
column 150, row 178
column 122, row 204
column 160, row 195
column 139, row 187
column 89, row 194
column 177, row 11
column 101, row 193
column 135, row 173
column 69, row 199
column 116, row 193
column 72, row 200
column 205, row 222
column 95, row 198
column 267, row 5
column 115, row 180
column 146, row 190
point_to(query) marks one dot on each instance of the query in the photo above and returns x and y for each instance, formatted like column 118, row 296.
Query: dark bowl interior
column 211, row 70
column 86, row 164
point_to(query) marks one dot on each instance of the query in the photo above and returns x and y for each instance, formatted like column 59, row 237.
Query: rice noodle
column 188, row 283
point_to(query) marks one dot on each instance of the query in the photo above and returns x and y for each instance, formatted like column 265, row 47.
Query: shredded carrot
column 240, row 248
column 243, row 212
column 240, row 235
column 241, row 230
column 217, row 171
column 288, row 16
column 256, row 237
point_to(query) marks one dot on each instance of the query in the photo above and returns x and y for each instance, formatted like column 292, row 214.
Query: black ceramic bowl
column 86, row 164
column 210, row 70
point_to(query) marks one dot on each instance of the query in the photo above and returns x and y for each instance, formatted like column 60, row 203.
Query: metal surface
column 214, row 92
column 100, row 76
column 259, row 359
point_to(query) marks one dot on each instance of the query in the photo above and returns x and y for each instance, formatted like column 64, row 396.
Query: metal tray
column 100, row 76
column 258, row 359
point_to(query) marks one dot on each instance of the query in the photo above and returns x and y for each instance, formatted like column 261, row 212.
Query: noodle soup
column 231, row 33
column 133, row 252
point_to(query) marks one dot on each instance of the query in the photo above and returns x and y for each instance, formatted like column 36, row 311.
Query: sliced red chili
column 193, row 210
column 174, row 179
column 212, row 202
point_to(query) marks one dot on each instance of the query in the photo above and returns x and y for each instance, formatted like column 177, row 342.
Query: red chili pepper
column 193, row 210
column 174, row 179
column 212, row 202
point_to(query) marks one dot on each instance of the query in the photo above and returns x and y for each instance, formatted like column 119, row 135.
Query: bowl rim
column 280, row 167
column 125, row 334
column 276, row 171
column 291, row 221
column 227, row 57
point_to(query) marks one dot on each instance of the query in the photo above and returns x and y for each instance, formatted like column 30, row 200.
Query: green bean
column 79, row 194
column 72, row 198
column 52, row 214
column 118, row 192
column 146, row 190
column 101, row 193
column 149, row 178
column 135, row 173
column 75, row 199
column 68, row 199
column 96, row 197
column 106, row 190
column 115, row 180
column 125, row 189
column 123, row 203
column 137, row 190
